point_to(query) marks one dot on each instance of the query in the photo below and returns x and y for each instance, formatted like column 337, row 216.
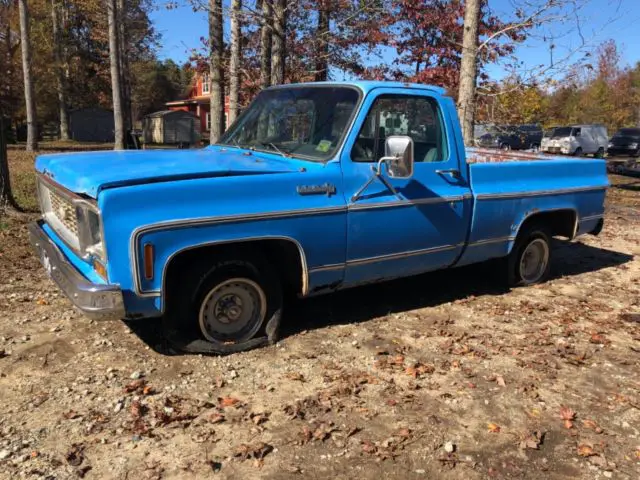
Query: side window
column 417, row 117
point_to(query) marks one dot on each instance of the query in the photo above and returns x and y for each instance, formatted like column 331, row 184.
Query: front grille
column 64, row 211
column 60, row 213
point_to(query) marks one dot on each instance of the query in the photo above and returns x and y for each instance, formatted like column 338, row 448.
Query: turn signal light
column 148, row 261
column 100, row 269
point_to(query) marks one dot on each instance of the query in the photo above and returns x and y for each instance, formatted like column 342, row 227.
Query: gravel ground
column 442, row 375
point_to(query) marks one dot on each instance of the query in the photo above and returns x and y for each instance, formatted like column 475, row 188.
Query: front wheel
column 505, row 147
column 232, row 305
column 578, row 152
column 530, row 260
column 600, row 153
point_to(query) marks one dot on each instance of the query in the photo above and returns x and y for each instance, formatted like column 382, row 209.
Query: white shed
column 171, row 127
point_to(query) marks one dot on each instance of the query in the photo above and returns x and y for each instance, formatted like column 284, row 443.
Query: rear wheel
column 505, row 147
column 530, row 260
column 535, row 148
column 578, row 152
column 232, row 305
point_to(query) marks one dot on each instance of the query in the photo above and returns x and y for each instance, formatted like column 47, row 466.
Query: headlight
column 633, row 145
column 610, row 145
column 566, row 141
column 90, row 230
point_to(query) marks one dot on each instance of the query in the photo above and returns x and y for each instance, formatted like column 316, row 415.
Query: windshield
column 628, row 132
column 308, row 122
column 561, row 132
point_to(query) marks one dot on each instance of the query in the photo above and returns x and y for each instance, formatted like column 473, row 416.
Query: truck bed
column 509, row 187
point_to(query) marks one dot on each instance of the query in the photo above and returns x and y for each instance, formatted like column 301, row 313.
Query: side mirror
column 398, row 156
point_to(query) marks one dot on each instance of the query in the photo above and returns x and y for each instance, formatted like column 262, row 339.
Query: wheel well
column 285, row 255
column 559, row 222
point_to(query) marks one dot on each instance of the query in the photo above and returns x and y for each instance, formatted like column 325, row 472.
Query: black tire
column 536, row 148
column 600, row 153
column 534, row 233
column 578, row 152
column 186, row 328
column 505, row 147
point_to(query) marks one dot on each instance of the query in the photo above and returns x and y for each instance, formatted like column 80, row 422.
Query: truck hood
column 89, row 172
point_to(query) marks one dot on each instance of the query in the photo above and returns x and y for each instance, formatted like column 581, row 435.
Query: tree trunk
column 29, row 97
column 469, row 69
column 123, row 57
column 6, row 197
column 116, row 89
column 234, row 62
column 322, row 39
column 61, row 85
column 265, row 44
column 278, row 52
column 215, row 70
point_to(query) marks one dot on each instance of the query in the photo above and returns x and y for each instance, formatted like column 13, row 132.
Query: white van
column 576, row 140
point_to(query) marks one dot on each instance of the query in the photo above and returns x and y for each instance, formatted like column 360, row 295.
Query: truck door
column 423, row 224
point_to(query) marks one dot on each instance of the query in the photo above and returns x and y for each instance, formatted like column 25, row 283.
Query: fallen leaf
column 216, row 418
column 42, row 301
column 256, row 451
column 568, row 424
column 531, row 440
column 592, row 425
column 75, row 456
column 135, row 386
column 585, row 450
column 567, row 414
column 404, row 432
column 599, row 339
column 500, row 381
column 493, row 428
column 147, row 390
column 295, row 376
column 71, row 414
column 228, row 401
column 137, row 409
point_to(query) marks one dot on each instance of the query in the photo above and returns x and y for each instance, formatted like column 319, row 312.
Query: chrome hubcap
column 232, row 311
column 534, row 260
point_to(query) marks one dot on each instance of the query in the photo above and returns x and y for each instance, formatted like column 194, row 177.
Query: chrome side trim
column 405, row 203
column 537, row 193
column 487, row 241
column 327, row 268
column 401, row 255
column 194, row 222
column 592, row 217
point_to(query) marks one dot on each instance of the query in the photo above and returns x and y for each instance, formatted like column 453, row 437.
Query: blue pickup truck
column 315, row 188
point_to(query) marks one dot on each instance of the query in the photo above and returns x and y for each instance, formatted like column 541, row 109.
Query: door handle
column 454, row 172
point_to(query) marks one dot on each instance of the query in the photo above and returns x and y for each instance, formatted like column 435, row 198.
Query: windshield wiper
column 275, row 147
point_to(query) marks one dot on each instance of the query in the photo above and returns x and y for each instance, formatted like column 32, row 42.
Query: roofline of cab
column 365, row 86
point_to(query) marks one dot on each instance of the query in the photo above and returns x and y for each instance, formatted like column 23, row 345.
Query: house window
column 206, row 84
column 208, row 120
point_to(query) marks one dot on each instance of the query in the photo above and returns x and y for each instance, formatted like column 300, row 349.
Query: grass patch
column 23, row 179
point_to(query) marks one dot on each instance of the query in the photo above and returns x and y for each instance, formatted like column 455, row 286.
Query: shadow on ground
column 361, row 304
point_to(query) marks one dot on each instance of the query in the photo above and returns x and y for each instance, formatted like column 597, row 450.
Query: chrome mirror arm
column 377, row 173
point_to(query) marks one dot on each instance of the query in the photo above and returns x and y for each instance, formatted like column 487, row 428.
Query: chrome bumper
column 94, row 300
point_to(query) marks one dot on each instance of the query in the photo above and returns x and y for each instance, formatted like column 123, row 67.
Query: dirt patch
column 443, row 375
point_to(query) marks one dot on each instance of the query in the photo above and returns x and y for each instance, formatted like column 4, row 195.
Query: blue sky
column 181, row 29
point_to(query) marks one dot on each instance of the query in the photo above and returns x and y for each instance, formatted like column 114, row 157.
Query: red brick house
column 198, row 102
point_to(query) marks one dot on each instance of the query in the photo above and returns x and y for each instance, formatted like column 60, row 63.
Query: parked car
column 308, row 192
column 576, row 140
column 508, row 137
column 625, row 141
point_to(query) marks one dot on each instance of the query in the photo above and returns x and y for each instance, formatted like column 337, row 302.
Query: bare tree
column 215, row 70
column 234, row 62
column 265, row 43
column 469, row 69
column 278, row 53
column 123, row 58
column 322, row 37
column 29, row 97
column 59, row 39
column 114, row 60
